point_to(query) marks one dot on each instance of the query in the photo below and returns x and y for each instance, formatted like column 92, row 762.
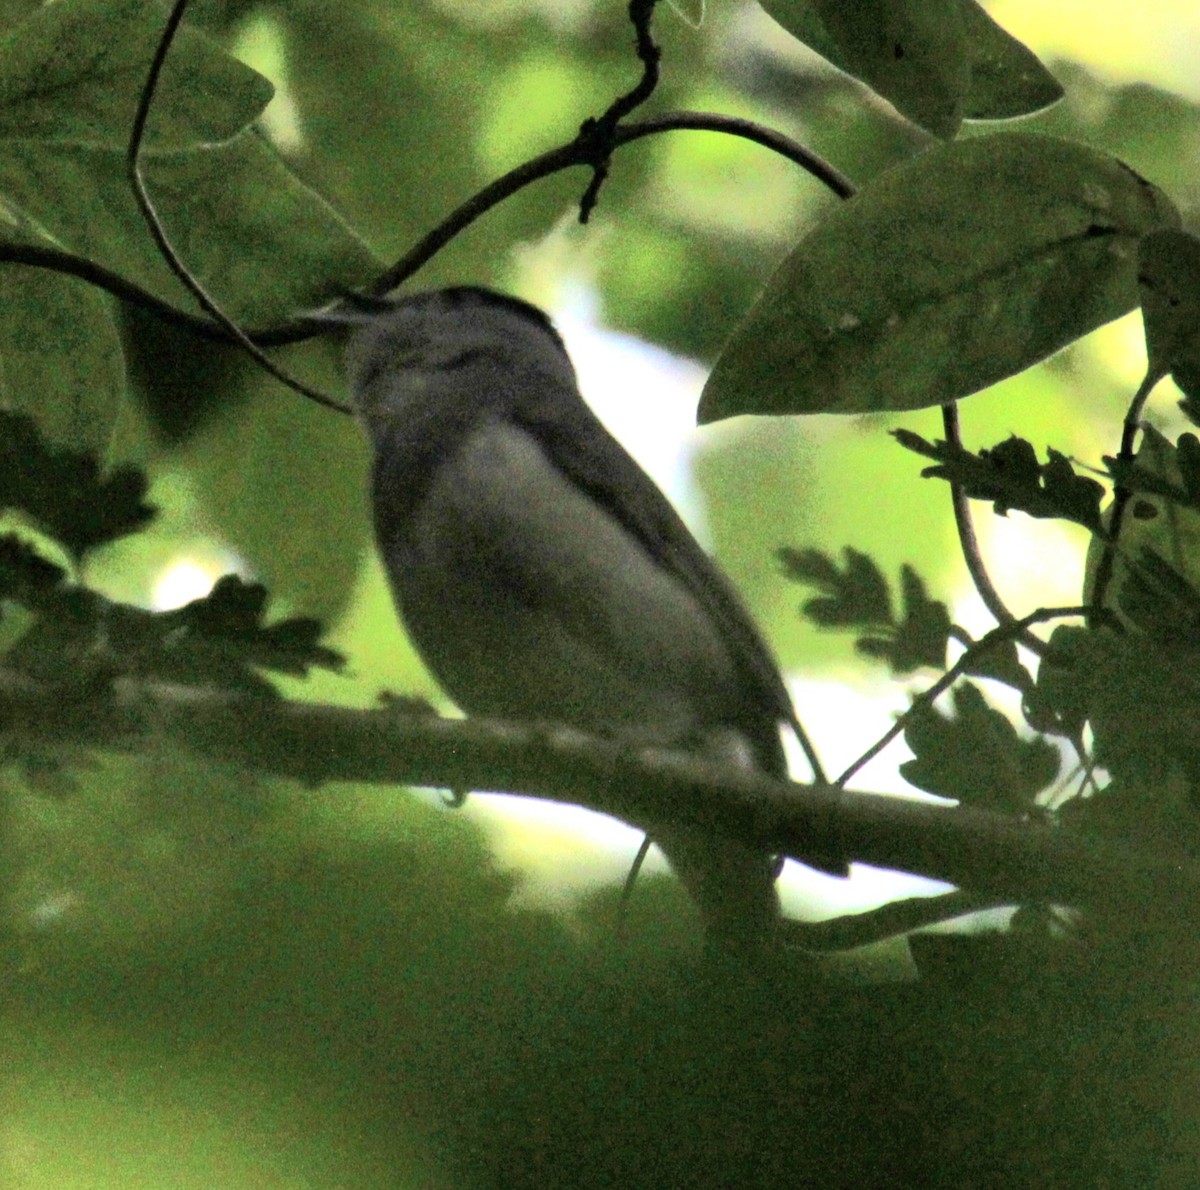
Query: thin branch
column 597, row 135
column 1133, row 418
column 1002, row 632
column 969, row 543
column 887, row 921
column 161, row 239
column 565, row 157
column 993, row 855
column 635, row 870
column 576, row 153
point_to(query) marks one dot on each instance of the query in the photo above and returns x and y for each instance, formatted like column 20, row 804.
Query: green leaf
column 919, row 637
column 64, row 491
column 922, row 635
column 1169, row 280
column 25, row 576
column 1140, row 695
column 912, row 52
column 937, row 63
column 70, row 75
column 263, row 242
column 61, row 358
column 73, row 71
column 230, row 618
column 857, row 595
column 1058, row 703
column 1162, row 517
column 220, row 640
column 976, row 757
column 1007, row 79
column 1011, row 477
column 1001, row 662
column 945, row 274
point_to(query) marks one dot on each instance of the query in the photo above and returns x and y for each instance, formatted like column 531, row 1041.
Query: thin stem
column 1133, row 417
column 969, row 543
column 159, row 234
column 566, row 156
column 631, row 876
column 598, row 134
column 887, row 921
column 576, row 153
column 1002, row 632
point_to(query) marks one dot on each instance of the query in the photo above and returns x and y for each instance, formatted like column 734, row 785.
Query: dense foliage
column 346, row 957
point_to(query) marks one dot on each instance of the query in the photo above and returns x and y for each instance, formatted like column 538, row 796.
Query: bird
column 541, row 575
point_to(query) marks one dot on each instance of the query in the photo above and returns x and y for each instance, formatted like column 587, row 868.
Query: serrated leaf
column 230, row 618
column 921, row 636
column 65, row 492
column 1001, row 662
column 1162, row 517
column 1058, row 703
column 1141, row 697
column 1169, row 280
column 1077, row 497
column 857, row 595
column 220, row 640
column 25, row 576
column 937, row 63
column 976, row 757
column 1010, row 476
column 947, row 273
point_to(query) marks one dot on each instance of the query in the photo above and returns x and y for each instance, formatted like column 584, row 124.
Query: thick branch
column 993, row 856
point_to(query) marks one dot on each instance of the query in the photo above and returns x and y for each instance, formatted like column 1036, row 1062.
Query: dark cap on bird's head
column 401, row 345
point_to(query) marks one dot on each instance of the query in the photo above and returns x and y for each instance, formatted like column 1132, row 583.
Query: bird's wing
column 600, row 466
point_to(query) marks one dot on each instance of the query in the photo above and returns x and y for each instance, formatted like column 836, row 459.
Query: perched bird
column 540, row 573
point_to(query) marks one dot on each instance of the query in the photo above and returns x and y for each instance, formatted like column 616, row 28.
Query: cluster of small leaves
column 1138, row 476
column 976, row 755
column 856, row 596
column 218, row 639
column 64, row 492
column 1140, row 695
column 1011, row 477
column 221, row 639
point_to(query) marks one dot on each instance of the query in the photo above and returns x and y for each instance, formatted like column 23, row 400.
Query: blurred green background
column 209, row 981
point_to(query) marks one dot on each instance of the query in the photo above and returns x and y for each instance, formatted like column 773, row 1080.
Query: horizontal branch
column 993, row 856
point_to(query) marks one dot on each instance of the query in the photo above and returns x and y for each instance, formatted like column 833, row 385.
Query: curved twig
column 1104, row 569
column 162, row 240
column 597, row 134
column 576, row 153
column 1002, row 632
column 969, row 543
column 635, row 870
column 298, row 329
